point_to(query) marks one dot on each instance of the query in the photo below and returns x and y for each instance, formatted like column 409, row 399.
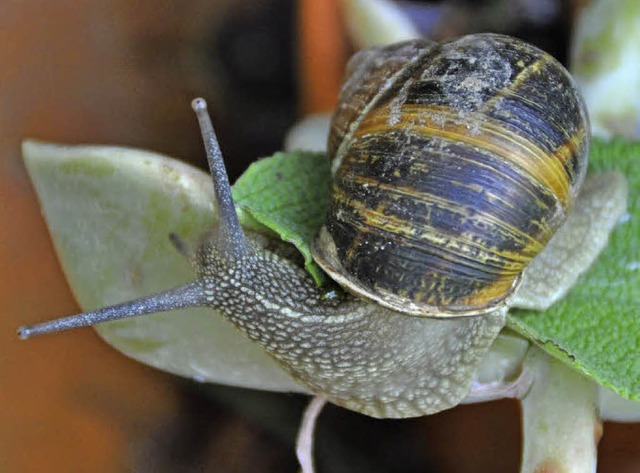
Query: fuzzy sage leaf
column 596, row 328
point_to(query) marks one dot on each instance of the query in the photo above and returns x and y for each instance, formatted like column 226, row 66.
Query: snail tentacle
column 188, row 295
column 229, row 233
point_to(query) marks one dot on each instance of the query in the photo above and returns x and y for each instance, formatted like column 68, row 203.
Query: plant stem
column 560, row 425
column 304, row 443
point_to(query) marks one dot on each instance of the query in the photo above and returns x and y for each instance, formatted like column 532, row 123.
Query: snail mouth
column 326, row 255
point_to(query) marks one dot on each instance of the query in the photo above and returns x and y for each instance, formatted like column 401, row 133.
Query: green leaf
column 289, row 194
column 596, row 328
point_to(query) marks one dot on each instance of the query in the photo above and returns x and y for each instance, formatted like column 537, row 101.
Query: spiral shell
column 453, row 165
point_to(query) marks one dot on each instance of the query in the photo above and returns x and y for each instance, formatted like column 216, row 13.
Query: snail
column 500, row 133
column 434, row 137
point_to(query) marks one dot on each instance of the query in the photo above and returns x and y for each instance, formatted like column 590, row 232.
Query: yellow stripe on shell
column 373, row 219
column 419, row 166
column 480, row 298
column 381, row 220
column 484, row 133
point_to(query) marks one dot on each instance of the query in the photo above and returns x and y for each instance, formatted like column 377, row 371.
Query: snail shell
column 453, row 165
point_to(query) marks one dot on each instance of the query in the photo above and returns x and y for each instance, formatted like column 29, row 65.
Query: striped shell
column 453, row 165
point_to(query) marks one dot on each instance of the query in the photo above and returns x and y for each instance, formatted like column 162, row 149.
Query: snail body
column 377, row 358
column 454, row 164
column 359, row 355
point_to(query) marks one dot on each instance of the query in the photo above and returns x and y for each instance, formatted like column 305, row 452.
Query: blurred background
column 121, row 72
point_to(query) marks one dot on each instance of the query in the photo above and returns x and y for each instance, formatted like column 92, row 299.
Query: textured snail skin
column 371, row 359
column 454, row 164
column 358, row 355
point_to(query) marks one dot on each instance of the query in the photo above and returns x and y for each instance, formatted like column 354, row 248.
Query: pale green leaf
column 110, row 211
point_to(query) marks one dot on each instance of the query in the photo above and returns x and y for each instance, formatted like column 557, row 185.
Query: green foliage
column 289, row 194
column 596, row 328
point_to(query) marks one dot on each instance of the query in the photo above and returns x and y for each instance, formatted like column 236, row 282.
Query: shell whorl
column 460, row 165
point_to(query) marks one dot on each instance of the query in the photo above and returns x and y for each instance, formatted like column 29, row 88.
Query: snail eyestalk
column 231, row 235
column 231, row 241
column 188, row 295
